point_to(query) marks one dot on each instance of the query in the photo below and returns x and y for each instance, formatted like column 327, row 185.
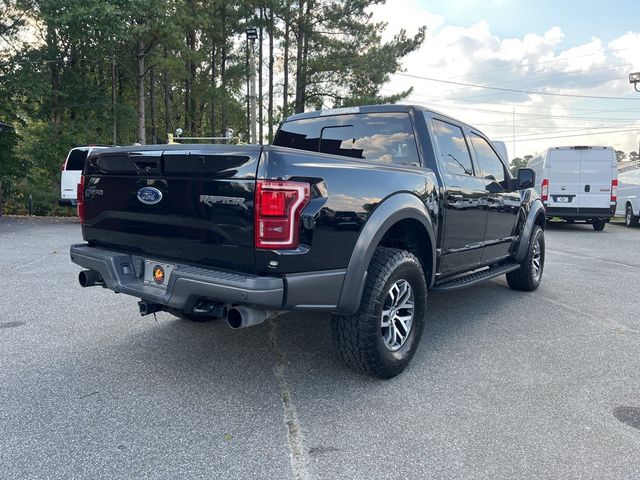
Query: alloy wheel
column 397, row 315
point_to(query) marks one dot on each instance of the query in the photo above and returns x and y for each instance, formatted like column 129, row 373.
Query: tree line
column 79, row 72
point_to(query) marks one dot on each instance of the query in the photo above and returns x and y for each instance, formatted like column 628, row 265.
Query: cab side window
column 454, row 152
column 490, row 165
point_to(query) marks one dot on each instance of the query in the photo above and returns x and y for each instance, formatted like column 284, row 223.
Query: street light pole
column 252, row 36
column 634, row 78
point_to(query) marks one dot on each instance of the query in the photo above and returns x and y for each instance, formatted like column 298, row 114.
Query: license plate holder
column 562, row 199
column 157, row 274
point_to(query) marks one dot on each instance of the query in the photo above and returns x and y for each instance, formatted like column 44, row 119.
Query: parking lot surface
column 505, row 384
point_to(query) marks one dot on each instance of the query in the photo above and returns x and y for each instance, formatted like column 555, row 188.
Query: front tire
column 383, row 335
column 527, row 277
column 630, row 220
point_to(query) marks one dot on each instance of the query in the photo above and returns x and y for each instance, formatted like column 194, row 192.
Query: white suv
column 71, row 173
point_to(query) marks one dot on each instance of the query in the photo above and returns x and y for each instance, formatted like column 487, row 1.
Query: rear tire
column 527, row 277
column 630, row 220
column 598, row 224
column 383, row 335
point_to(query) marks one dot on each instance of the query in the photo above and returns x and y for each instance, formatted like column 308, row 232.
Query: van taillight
column 80, row 199
column 278, row 205
column 614, row 190
column 64, row 164
column 544, row 191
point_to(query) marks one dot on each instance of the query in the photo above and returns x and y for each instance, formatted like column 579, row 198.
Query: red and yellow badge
column 158, row 274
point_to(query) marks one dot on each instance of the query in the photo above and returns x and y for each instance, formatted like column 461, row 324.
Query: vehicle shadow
column 174, row 351
column 564, row 226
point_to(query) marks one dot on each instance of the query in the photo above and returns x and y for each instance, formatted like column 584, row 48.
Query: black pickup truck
column 357, row 212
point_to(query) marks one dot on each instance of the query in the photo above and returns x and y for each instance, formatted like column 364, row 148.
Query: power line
column 511, row 90
column 585, row 130
column 573, row 84
column 556, row 60
column 521, row 114
column 576, row 135
column 518, row 105
column 554, row 129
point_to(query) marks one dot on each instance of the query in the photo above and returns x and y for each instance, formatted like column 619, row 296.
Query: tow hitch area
column 147, row 308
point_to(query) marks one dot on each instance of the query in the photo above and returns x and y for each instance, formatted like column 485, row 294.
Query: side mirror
column 526, row 178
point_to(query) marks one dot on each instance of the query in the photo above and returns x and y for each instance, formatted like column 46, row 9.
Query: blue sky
column 579, row 20
column 578, row 55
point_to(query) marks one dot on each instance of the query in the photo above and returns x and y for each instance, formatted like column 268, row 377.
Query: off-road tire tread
column 356, row 335
column 520, row 279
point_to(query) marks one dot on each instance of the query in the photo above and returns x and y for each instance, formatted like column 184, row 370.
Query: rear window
column 76, row 160
column 378, row 137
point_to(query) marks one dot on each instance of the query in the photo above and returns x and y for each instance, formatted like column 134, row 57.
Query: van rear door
column 564, row 178
column 597, row 169
column 71, row 172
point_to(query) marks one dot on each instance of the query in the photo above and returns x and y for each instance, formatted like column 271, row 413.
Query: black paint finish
column 206, row 215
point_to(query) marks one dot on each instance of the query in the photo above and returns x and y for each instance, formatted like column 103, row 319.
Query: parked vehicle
column 71, row 171
column 501, row 148
column 577, row 183
column 629, row 196
column 357, row 211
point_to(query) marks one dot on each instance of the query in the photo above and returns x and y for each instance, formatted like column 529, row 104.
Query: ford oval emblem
column 149, row 195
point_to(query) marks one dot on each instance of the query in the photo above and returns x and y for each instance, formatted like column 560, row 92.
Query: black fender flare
column 401, row 206
column 523, row 245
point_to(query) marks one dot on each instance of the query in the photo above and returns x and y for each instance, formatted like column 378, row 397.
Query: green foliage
column 103, row 71
column 518, row 163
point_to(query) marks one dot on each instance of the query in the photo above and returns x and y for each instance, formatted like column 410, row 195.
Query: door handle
column 587, row 188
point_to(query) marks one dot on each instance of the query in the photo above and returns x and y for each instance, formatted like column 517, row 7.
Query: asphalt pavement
column 505, row 384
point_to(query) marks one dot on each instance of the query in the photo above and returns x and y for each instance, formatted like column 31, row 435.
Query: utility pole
column 252, row 36
column 634, row 78
column 114, row 118
column 514, row 132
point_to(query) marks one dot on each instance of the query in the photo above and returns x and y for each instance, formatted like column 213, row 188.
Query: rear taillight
column 614, row 190
column 278, row 205
column 80, row 199
column 64, row 164
column 544, row 191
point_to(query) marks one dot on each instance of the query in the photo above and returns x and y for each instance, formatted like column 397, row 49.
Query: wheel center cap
column 392, row 314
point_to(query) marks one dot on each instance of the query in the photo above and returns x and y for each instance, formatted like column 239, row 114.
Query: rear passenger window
column 379, row 137
column 76, row 160
column 454, row 152
column 489, row 163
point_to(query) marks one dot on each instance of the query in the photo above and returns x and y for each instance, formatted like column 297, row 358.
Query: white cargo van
column 629, row 196
column 501, row 148
column 577, row 183
column 71, row 171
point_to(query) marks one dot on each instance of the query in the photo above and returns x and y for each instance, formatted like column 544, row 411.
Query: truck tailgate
column 188, row 203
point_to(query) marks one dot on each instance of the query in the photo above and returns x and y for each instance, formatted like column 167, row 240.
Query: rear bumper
column 67, row 202
column 579, row 213
column 124, row 273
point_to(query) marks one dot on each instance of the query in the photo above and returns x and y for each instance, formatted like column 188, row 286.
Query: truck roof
column 372, row 109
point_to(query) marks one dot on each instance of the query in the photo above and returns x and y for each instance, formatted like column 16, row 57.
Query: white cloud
column 627, row 48
column 532, row 61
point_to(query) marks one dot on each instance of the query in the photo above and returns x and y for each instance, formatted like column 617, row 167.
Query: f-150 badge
column 212, row 200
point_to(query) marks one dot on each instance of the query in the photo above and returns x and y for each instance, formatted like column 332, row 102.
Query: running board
column 476, row 277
